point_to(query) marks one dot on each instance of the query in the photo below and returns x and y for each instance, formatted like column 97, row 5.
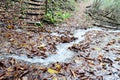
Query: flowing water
column 66, row 55
column 63, row 53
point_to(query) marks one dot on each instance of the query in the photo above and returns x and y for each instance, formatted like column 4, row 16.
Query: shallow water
column 63, row 53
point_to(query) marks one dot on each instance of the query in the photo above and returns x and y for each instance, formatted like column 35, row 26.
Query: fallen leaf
column 100, row 57
column 10, row 69
column 96, row 48
column 24, row 78
column 102, row 64
column 64, row 78
column 2, row 78
column 8, row 34
column 91, row 63
column 55, row 78
column 73, row 73
column 117, row 59
column 12, row 39
column 15, row 42
column 42, row 47
column 10, row 27
column 2, row 65
column 24, row 45
column 52, row 71
column 58, row 66
column 111, row 42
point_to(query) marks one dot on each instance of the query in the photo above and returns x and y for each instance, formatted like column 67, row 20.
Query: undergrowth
column 106, row 12
column 58, row 10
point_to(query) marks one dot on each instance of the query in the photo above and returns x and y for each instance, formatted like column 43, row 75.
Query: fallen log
column 105, row 26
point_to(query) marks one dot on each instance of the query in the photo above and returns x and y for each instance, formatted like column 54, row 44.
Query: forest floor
column 74, row 50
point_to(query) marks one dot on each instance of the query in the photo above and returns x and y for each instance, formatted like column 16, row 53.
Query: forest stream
column 73, row 50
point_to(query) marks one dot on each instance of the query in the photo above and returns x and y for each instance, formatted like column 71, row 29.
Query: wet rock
column 2, row 24
column 67, row 39
column 79, row 47
column 119, row 41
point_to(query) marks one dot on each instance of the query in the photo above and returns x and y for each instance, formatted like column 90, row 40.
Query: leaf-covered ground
column 97, row 56
column 95, row 52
